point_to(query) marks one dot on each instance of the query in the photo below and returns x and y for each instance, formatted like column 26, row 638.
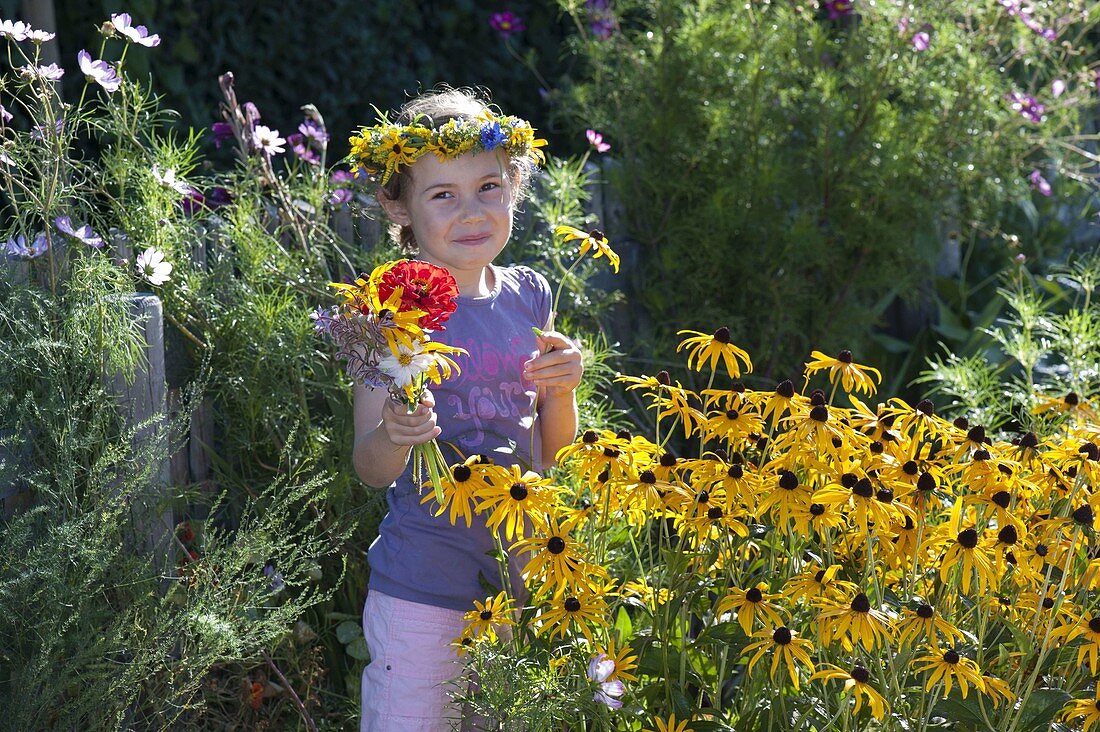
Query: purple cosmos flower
column 601, row 21
column 193, row 202
column 277, row 582
column 1027, row 106
column 223, row 132
column 38, row 132
column 138, row 34
column 340, row 177
column 267, row 140
column 218, row 196
column 98, row 71
column 53, row 72
column 16, row 30
column 1057, row 88
column 5, row 115
column 83, row 234
column 838, row 8
column 1039, row 183
column 920, row 41
column 506, row 23
column 6, row 159
column 313, row 131
column 302, row 149
column 599, row 669
column 595, row 139
column 339, row 196
column 1018, row 9
column 17, row 247
column 492, row 136
column 903, row 23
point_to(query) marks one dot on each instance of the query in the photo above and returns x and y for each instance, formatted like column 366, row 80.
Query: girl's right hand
column 410, row 428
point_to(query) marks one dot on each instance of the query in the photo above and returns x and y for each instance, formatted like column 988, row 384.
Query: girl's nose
column 473, row 210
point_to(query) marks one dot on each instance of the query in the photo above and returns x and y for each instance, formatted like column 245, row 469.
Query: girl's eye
column 443, row 194
column 490, row 186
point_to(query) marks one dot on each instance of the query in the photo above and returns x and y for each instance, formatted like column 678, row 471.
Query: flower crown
column 386, row 148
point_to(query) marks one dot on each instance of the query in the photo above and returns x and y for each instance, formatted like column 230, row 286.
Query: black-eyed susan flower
column 593, row 241
column 488, row 616
column 640, row 593
column 702, row 348
column 557, row 560
column 814, row 583
column 786, row 647
column 915, row 422
column 853, row 622
column 778, row 403
column 998, row 690
column 669, row 399
column 857, row 682
column 926, row 625
column 582, row 611
column 670, row 725
column 853, row 376
column 731, row 425
column 459, row 489
column 1087, row 627
column 1087, row 711
column 818, row 519
column 858, row 495
column 787, row 496
column 750, row 604
column 509, row 502
column 950, row 668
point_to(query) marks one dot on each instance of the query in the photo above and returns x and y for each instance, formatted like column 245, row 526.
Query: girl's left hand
column 557, row 369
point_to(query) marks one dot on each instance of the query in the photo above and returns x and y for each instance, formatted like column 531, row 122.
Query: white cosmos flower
column 99, row 71
column 139, row 34
column 407, row 364
column 152, row 268
column 168, row 180
column 267, row 140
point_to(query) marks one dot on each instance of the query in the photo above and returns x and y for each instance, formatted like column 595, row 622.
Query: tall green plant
column 788, row 170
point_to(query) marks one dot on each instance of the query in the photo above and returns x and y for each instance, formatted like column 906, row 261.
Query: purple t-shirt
column 487, row 409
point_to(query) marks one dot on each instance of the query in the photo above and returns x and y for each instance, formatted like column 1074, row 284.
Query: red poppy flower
column 425, row 287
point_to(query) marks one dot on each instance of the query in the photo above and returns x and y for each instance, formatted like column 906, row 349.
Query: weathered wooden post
column 143, row 404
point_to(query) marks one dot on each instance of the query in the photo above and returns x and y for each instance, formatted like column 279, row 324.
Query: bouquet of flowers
column 383, row 329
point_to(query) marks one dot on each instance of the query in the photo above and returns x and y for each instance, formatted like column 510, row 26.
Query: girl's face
column 460, row 210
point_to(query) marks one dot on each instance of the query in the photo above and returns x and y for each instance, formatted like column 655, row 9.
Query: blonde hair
column 434, row 109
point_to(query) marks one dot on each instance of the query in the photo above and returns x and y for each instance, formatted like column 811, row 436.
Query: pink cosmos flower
column 1057, row 88
column 138, row 34
column 1027, row 106
column 921, row 41
column 595, row 139
column 267, row 140
column 98, row 71
column 506, row 23
column 1039, row 183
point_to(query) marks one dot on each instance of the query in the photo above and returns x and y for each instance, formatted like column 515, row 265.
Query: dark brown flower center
column 950, row 657
column 876, row 447
column 861, row 604
column 785, row 389
column 910, row 467
column 980, row 455
column 702, row 497
column 1001, row 498
column 1048, row 603
column 817, row 509
column 926, row 611
column 1083, row 515
column 647, row 476
column 1041, row 550
column 819, row 576
column 486, row 615
column 1072, row 399
column 714, row 513
column 820, row 413
column 589, row 437
column 788, row 480
column 572, row 605
column 732, row 415
column 736, row 472
column 926, row 482
column 611, row 452
column 968, row 538
column 624, row 435
column 518, row 492
column 961, row 423
column 663, row 378
column 667, row 460
column 556, row 545
column 1094, row 625
column 861, row 674
column 754, row 595
column 1008, row 535
column 461, row 473
column 884, row 495
column 722, row 335
column 782, row 636
column 844, row 356
column 863, row 488
column 926, row 406
column 1029, row 440
column 849, row 480
column 817, row 398
column 595, row 234
column 976, row 434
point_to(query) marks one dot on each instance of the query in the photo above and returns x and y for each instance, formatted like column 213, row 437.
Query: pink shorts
column 413, row 667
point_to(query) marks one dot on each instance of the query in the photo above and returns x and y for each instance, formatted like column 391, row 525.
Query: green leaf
column 1041, row 707
column 623, row 625
column 358, row 649
column 957, row 709
column 348, row 631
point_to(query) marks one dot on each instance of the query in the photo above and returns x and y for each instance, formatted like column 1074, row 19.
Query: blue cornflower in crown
column 386, row 148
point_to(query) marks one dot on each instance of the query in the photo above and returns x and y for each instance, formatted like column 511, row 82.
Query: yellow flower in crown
column 590, row 241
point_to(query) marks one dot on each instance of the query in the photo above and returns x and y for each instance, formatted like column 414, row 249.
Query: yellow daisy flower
column 583, row 611
column 857, row 683
column 590, row 240
column 671, row 725
column 460, row 488
column 521, row 494
column 1085, row 710
column 815, row 583
column 703, row 347
column 853, row 623
column 949, row 667
column 748, row 604
column 786, row 647
column 557, row 559
column 924, row 624
column 853, row 376
column 488, row 616
column 624, row 662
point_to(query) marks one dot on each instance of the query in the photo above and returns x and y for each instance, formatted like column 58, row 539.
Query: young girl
column 453, row 207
